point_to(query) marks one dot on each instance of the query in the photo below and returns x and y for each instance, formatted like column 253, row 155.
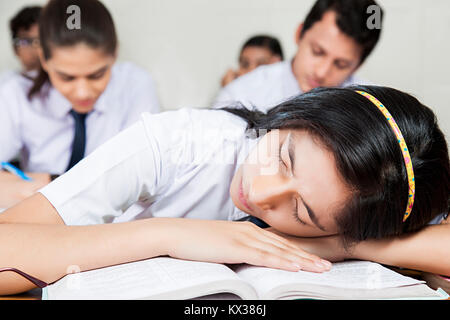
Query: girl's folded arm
column 425, row 250
column 47, row 252
column 50, row 251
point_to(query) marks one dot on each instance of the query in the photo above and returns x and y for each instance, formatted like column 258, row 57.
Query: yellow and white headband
column 403, row 147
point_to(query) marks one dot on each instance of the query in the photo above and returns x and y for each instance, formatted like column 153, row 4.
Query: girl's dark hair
column 96, row 30
column 368, row 155
column 351, row 19
column 267, row 42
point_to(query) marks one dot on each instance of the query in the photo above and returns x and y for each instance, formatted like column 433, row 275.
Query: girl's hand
column 236, row 242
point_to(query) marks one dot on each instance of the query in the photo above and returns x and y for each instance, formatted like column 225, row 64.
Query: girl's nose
column 82, row 90
column 270, row 191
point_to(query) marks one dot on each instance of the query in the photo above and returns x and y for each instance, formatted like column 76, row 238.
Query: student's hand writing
column 237, row 242
column 14, row 189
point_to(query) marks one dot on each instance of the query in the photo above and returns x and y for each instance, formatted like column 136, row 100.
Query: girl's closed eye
column 284, row 165
column 97, row 75
column 295, row 213
column 285, row 168
column 66, row 78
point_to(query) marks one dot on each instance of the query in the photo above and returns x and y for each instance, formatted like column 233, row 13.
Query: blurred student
column 80, row 98
column 332, row 43
column 256, row 51
column 25, row 39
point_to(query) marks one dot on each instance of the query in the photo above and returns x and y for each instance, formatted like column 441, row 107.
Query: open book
column 169, row 278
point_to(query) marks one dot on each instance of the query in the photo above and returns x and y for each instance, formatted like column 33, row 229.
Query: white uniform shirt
column 6, row 75
column 180, row 163
column 42, row 130
column 265, row 87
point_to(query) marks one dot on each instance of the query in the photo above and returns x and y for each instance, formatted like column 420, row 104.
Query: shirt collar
column 55, row 102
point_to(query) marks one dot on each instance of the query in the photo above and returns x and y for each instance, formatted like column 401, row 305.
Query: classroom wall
column 187, row 45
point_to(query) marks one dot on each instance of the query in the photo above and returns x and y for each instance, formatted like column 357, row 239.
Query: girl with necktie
column 80, row 98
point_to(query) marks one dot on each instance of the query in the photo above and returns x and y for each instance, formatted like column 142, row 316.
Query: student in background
column 25, row 39
column 80, row 98
column 332, row 43
column 256, row 51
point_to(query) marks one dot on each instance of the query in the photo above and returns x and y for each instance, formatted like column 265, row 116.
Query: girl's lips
column 242, row 198
column 85, row 103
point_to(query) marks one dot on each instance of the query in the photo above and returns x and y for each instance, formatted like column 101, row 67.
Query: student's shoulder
column 255, row 87
column 193, row 120
column 5, row 75
column 356, row 80
column 16, row 83
column 15, row 89
column 261, row 76
column 127, row 73
column 192, row 134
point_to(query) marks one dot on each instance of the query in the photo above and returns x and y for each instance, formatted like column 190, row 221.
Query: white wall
column 188, row 44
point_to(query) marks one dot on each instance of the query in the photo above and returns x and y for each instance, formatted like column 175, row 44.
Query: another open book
column 168, row 278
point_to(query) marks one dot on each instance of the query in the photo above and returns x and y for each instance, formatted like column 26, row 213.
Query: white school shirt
column 265, row 87
column 42, row 130
column 180, row 163
column 6, row 75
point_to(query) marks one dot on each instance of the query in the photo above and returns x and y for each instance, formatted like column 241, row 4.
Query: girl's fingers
column 277, row 254
column 281, row 260
column 289, row 246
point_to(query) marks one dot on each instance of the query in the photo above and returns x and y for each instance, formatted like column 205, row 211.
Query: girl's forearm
column 426, row 250
column 48, row 252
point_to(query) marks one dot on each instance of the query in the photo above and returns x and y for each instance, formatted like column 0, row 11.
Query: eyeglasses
column 26, row 42
column 39, row 283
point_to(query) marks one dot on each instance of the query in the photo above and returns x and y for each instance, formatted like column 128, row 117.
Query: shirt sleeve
column 106, row 183
column 237, row 93
column 10, row 137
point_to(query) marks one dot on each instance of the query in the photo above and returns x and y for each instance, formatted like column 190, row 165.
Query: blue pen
column 9, row 167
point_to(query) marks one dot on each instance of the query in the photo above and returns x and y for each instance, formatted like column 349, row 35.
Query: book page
column 348, row 275
column 139, row 280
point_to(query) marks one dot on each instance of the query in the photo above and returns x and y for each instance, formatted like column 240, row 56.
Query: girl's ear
column 298, row 32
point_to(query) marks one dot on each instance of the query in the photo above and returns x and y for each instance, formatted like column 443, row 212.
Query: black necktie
column 79, row 141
